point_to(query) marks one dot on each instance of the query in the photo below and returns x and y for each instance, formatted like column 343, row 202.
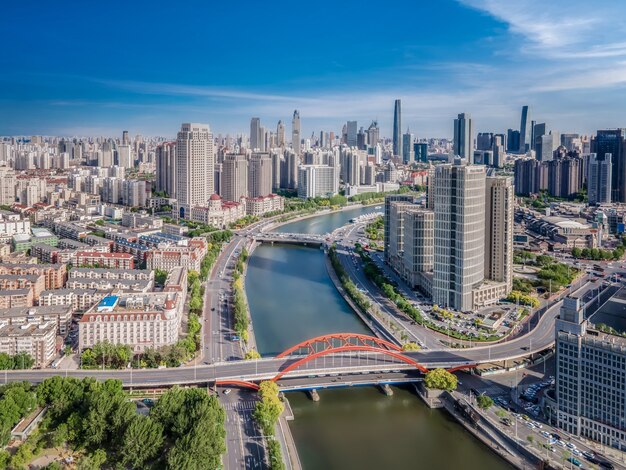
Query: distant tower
column 408, row 153
column 397, row 127
column 255, row 134
column 280, row 134
column 351, row 133
column 525, row 131
column 125, row 139
column 463, row 136
column 295, row 132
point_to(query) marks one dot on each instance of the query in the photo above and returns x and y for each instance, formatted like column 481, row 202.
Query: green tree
column 411, row 346
column 269, row 409
column 93, row 461
column 441, row 379
column 252, row 354
column 142, row 441
column 160, row 276
column 485, row 402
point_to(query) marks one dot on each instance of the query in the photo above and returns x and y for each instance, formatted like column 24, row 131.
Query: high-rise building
column 125, row 156
column 295, row 132
column 418, row 245
column 463, row 136
column 373, row 134
column 525, row 131
column 276, row 170
column 420, row 149
column 459, row 233
column 546, row 145
column 234, row 180
column 387, row 218
column 539, row 129
column 512, row 141
column 408, row 154
column 351, row 133
column 280, row 134
column 255, row 134
column 525, row 172
column 195, row 166
column 317, row 181
column 613, row 141
column 397, row 212
column 599, row 178
column 499, row 202
column 166, row 168
column 484, row 141
column 397, row 128
column 260, row 175
column 125, row 138
column 590, row 377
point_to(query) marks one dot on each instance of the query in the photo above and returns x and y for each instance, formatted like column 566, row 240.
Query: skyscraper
column 512, row 141
column 599, row 178
column 351, row 133
column 125, row 139
column 408, row 154
column 234, row 180
column 259, row 175
column 539, row 129
column 525, row 131
column 397, row 128
column 459, row 264
column 463, row 136
column 613, row 141
column 499, row 230
column 387, row 218
column 166, row 168
column 295, row 132
column 420, row 150
column 373, row 134
column 280, row 134
column 195, row 164
column 255, row 134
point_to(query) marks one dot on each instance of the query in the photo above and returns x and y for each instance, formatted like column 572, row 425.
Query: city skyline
column 493, row 59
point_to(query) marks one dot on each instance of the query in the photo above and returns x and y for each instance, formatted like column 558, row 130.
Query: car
column 571, row 445
column 575, row 461
column 227, row 391
column 545, row 434
column 212, row 309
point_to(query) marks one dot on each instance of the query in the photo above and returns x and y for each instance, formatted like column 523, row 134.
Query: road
column 244, row 441
column 217, row 345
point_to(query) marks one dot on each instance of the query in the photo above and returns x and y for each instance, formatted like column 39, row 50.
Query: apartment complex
column 140, row 320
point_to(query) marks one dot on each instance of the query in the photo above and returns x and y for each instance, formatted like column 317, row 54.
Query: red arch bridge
column 338, row 354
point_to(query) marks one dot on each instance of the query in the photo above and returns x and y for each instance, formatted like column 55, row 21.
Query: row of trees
column 357, row 296
column 266, row 414
column 185, row 429
column 523, row 299
column 240, row 305
column 598, row 254
column 106, row 355
column 20, row 360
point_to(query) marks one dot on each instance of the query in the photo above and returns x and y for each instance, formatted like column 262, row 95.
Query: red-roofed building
column 105, row 260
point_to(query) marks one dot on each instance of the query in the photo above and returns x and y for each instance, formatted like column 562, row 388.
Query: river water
column 291, row 299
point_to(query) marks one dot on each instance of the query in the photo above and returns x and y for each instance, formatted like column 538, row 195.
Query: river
column 291, row 299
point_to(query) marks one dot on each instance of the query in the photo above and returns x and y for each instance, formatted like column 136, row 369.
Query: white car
column 227, row 391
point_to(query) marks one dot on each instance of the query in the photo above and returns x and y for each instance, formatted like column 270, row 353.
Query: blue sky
column 95, row 68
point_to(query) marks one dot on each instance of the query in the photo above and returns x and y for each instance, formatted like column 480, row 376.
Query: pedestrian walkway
column 247, row 405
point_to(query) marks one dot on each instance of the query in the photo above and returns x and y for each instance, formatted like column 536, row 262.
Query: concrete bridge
column 292, row 238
